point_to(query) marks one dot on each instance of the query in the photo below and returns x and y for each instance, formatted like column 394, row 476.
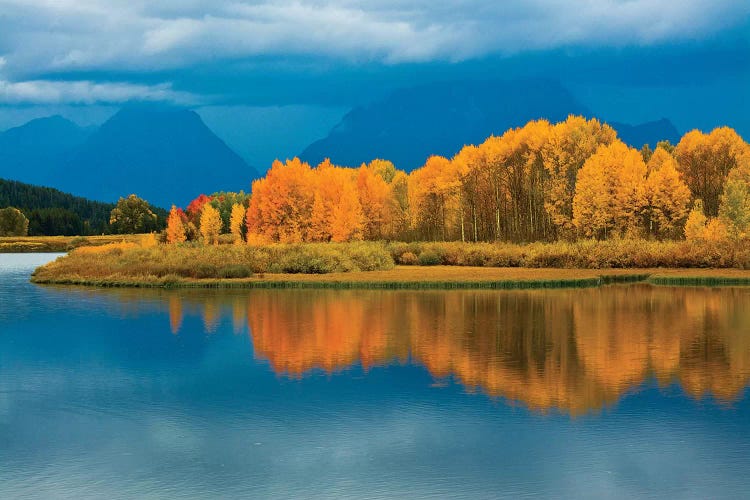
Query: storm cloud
column 51, row 49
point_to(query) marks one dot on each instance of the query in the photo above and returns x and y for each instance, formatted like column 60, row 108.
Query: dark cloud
column 41, row 41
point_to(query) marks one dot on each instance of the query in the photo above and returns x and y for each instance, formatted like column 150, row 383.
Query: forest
column 541, row 182
column 51, row 212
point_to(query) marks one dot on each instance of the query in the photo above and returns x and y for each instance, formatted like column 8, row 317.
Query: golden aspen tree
column 429, row 199
column 383, row 168
column 210, row 225
column 516, row 180
column 281, row 203
column 175, row 227
column 327, row 187
column 705, row 161
column 570, row 144
column 668, row 196
column 734, row 207
column 236, row 222
column 630, row 190
column 397, row 221
column 593, row 200
column 374, row 192
column 715, row 230
column 468, row 163
column 610, row 192
column 346, row 218
column 695, row 227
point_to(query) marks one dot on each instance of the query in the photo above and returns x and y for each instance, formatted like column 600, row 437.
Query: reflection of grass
column 32, row 244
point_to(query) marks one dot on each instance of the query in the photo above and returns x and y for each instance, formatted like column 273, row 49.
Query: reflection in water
column 570, row 350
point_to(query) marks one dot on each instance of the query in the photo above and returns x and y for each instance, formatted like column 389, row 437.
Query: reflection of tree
column 572, row 350
column 175, row 313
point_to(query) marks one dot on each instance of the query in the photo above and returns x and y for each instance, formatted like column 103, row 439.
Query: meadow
column 146, row 262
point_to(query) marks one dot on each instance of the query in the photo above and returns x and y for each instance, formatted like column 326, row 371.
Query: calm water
column 617, row 392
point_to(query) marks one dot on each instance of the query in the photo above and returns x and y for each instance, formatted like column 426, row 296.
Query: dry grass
column 38, row 244
column 444, row 277
column 143, row 262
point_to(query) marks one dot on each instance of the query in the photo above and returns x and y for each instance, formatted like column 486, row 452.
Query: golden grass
column 445, row 277
column 141, row 261
column 37, row 244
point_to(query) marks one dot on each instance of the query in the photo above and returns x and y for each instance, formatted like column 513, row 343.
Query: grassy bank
column 437, row 277
column 371, row 265
column 128, row 262
column 584, row 254
column 52, row 244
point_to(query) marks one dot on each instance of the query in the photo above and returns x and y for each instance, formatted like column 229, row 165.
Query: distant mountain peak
column 647, row 133
column 439, row 118
column 165, row 154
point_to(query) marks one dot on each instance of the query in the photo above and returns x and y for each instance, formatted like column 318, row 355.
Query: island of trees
column 566, row 195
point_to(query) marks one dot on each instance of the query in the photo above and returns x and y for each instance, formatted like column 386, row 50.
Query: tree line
column 540, row 182
column 50, row 212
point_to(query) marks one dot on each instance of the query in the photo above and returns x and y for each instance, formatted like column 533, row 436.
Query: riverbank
column 56, row 244
column 436, row 277
column 145, row 263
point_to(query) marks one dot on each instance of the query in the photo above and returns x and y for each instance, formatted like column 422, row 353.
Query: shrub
column 205, row 271
column 408, row 259
column 235, row 271
column 429, row 258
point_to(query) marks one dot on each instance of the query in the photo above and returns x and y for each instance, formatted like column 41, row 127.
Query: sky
column 271, row 76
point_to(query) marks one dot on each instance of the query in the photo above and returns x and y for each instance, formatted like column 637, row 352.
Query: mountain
column 32, row 151
column 165, row 155
column 440, row 118
column 52, row 212
column 647, row 133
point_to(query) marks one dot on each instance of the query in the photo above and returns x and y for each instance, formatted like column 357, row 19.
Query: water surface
column 616, row 392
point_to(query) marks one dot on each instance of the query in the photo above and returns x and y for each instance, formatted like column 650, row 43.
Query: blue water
column 618, row 392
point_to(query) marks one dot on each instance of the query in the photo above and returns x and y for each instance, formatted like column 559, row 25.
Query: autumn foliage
column 540, row 182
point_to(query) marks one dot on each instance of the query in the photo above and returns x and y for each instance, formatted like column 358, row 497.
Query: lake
column 613, row 392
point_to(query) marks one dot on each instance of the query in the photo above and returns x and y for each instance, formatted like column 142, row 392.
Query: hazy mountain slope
column 164, row 155
column 440, row 118
column 32, row 151
column 647, row 133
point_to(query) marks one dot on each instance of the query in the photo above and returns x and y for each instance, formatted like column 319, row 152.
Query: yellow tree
column 695, row 227
column 432, row 198
column 281, row 204
column 210, row 225
column 175, row 226
column 237, row 222
column 734, row 207
column 610, row 192
column 668, row 197
column 397, row 215
column 336, row 211
column 705, row 160
column 374, row 193
column 347, row 219
column 383, row 168
column 515, row 167
column 570, row 144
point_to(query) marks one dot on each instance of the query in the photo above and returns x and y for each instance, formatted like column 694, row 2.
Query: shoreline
column 433, row 277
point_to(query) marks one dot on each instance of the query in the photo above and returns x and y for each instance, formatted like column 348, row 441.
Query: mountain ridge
column 165, row 154
column 410, row 124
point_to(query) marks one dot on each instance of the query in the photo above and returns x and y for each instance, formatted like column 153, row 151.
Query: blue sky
column 294, row 67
